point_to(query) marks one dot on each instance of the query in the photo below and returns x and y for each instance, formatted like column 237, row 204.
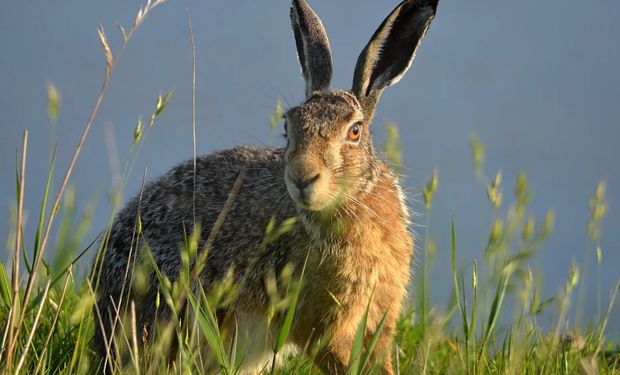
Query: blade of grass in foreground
column 603, row 325
column 355, row 365
column 457, row 295
column 358, row 343
column 287, row 323
column 455, row 279
column 371, row 345
column 209, row 327
column 37, row 237
column 498, row 299
column 6, row 295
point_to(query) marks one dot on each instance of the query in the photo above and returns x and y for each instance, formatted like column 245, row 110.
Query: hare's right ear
column 390, row 51
column 312, row 47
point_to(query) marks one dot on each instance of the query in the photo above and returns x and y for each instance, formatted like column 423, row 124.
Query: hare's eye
column 285, row 130
column 354, row 132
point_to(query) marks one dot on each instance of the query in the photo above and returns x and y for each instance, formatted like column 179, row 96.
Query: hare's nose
column 304, row 185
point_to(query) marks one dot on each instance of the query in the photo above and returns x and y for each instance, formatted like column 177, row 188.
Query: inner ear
column 390, row 51
column 398, row 50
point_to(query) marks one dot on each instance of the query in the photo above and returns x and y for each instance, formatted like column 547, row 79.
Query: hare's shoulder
column 171, row 199
column 225, row 165
column 235, row 158
column 213, row 175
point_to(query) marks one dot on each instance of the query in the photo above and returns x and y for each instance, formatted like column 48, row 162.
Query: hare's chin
column 310, row 206
column 307, row 204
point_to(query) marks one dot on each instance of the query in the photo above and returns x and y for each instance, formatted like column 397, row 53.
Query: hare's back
column 167, row 210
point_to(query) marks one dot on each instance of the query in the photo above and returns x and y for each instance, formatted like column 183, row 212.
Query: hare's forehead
column 325, row 112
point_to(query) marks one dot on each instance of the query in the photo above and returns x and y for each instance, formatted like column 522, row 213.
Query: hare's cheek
column 332, row 159
column 349, row 158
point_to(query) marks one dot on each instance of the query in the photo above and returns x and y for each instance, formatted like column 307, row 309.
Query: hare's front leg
column 383, row 350
column 334, row 358
column 385, row 344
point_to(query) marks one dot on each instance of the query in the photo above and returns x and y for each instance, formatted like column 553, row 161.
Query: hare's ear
column 390, row 51
column 312, row 47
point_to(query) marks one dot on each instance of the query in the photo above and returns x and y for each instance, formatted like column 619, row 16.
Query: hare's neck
column 378, row 210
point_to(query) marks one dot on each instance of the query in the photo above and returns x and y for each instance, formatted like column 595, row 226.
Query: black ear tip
column 423, row 3
column 299, row 3
column 294, row 5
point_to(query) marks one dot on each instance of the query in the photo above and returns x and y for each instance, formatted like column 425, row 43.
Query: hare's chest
column 362, row 268
column 344, row 283
column 349, row 271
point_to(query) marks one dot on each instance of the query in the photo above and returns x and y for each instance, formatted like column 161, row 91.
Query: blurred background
column 537, row 81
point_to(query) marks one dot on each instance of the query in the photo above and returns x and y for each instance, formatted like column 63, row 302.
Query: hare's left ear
column 312, row 47
column 390, row 51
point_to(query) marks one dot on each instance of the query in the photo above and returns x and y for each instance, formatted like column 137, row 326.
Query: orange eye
column 354, row 132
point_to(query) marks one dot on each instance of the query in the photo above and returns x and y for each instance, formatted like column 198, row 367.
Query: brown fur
column 372, row 271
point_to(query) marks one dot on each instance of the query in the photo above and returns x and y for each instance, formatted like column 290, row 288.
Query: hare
column 351, row 235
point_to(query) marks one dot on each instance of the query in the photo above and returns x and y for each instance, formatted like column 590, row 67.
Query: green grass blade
column 163, row 283
column 457, row 293
column 209, row 327
column 495, row 304
column 37, row 237
column 285, row 328
column 287, row 323
column 6, row 293
column 290, row 312
column 498, row 298
column 371, row 345
column 474, row 312
column 358, row 344
column 25, row 254
column 464, row 321
column 19, row 229
column 610, row 307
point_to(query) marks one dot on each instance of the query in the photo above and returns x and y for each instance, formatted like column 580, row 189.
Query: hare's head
column 329, row 155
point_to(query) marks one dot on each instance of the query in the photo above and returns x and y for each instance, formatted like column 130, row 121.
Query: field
column 491, row 325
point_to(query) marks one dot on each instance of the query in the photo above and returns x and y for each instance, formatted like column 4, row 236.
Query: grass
column 490, row 327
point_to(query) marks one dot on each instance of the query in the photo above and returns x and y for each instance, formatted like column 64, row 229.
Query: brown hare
column 352, row 229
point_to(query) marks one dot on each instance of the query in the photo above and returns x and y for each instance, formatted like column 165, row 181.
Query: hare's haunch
column 352, row 226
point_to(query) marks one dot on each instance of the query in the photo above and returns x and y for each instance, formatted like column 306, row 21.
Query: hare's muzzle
column 306, row 187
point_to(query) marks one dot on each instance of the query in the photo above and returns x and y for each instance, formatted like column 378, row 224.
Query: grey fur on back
column 166, row 212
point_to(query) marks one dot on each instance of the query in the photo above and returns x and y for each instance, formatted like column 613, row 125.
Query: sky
column 538, row 82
